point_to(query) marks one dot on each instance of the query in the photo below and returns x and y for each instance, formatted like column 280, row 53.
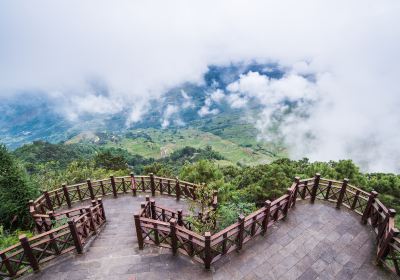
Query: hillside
column 157, row 143
column 31, row 116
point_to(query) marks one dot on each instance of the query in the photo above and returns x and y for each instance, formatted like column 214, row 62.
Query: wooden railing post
column 384, row 248
column 177, row 189
column 152, row 184
column 7, row 264
column 382, row 228
column 304, row 192
column 103, row 191
column 153, row 209
column 287, row 206
column 253, row 226
column 28, row 252
column 169, row 187
column 342, row 193
column 143, row 184
column 296, row 190
column 356, row 197
column 66, row 195
column 133, row 184
column 103, row 212
column 113, row 186
column 52, row 220
column 174, row 239
column 328, row 190
column 139, row 231
column 48, row 200
column 180, row 217
column 160, row 183
column 90, row 187
column 156, row 236
column 75, row 236
column 46, row 225
column 315, row 187
column 265, row 221
column 53, row 243
column 207, row 250
column 239, row 241
column 371, row 199
column 123, row 184
column 224, row 242
column 91, row 219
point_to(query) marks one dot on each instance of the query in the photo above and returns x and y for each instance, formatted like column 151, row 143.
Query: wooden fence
column 166, row 229
column 67, row 195
column 30, row 253
column 64, row 229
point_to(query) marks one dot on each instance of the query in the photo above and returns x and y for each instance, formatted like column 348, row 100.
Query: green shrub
column 16, row 189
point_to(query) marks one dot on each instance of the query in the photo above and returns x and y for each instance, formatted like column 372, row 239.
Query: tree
column 203, row 171
column 111, row 161
column 15, row 191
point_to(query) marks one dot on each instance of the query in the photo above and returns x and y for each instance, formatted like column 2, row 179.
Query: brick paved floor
column 314, row 242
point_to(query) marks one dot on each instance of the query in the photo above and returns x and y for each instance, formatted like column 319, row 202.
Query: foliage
column 228, row 213
column 111, row 160
column 202, row 171
column 15, row 191
column 41, row 152
column 49, row 176
column 202, row 217
column 8, row 238
column 160, row 169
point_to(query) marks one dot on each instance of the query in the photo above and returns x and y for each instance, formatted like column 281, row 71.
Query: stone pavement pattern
column 314, row 242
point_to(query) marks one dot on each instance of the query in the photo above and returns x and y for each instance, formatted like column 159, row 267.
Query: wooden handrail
column 278, row 209
column 22, row 255
column 375, row 213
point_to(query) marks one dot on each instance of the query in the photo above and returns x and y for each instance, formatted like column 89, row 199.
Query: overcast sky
column 139, row 49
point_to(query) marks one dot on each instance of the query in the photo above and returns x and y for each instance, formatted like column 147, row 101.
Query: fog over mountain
column 321, row 77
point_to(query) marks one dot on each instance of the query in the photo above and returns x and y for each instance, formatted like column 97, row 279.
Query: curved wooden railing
column 63, row 229
column 58, row 237
column 168, row 228
column 68, row 195
column 209, row 248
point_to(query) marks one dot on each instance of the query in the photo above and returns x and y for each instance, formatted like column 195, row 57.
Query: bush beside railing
column 209, row 248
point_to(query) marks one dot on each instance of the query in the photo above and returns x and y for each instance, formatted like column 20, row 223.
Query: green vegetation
column 8, row 238
column 16, row 189
column 237, row 146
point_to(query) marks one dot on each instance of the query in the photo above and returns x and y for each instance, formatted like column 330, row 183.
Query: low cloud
column 169, row 112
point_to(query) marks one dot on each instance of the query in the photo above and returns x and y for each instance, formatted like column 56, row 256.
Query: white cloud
column 204, row 111
column 217, row 95
column 168, row 113
column 214, row 97
column 188, row 102
column 140, row 49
